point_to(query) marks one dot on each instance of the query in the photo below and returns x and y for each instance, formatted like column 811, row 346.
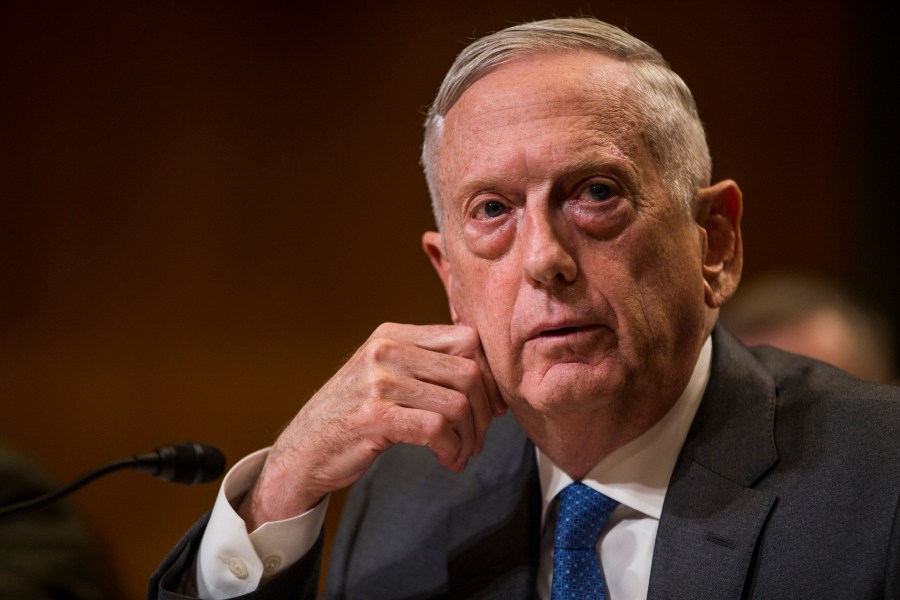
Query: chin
column 571, row 388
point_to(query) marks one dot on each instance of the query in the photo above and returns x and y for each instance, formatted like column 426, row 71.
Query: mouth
column 560, row 332
column 565, row 332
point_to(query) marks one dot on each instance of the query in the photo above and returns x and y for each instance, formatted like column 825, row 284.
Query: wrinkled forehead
column 562, row 91
column 524, row 87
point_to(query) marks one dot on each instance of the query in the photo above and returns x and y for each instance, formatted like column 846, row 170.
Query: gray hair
column 673, row 130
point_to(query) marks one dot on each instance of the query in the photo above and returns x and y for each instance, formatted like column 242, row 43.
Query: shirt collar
column 637, row 474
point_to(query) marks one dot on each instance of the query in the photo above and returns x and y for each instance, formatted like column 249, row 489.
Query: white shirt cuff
column 232, row 562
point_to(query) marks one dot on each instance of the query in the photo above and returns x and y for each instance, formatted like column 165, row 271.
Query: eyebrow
column 585, row 161
column 587, row 165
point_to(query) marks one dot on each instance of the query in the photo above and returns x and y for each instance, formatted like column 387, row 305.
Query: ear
column 719, row 209
column 433, row 244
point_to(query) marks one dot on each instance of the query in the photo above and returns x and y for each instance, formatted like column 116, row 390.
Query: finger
column 456, row 340
column 463, row 375
column 438, row 394
column 479, row 403
column 481, row 414
column 462, row 340
column 498, row 406
column 450, row 356
column 424, row 428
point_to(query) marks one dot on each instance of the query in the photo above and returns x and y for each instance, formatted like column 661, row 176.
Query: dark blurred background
column 207, row 205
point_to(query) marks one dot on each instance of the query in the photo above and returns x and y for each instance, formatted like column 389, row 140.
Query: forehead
column 565, row 74
column 567, row 103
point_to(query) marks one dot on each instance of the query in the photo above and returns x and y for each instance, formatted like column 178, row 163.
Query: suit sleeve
column 892, row 576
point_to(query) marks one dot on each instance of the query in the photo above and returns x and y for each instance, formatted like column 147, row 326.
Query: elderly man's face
column 562, row 245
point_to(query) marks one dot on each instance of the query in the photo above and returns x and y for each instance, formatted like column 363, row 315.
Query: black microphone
column 183, row 463
column 186, row 463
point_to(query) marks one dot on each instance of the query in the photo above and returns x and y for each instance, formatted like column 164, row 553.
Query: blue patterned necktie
column 576, row 569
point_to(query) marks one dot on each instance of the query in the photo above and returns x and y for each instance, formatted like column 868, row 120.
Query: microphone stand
column 183, row 463
column 49, row 498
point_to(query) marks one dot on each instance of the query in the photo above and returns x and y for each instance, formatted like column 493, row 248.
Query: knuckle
column 369, row 412
column 469, row 336
column 380, row 383
column 385, row 330
column 379, row 349
column 433, row 425
column 457, row 405
column 471, row 372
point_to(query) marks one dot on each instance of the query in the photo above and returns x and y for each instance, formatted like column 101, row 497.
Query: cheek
column 485, row 299
column 670, row 286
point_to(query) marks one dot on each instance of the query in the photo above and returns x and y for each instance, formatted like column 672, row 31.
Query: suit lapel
column 493, row 539
column 707, row 536
column 712, row 518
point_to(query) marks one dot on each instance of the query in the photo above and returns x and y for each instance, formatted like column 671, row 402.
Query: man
column 815, row 317
column 585, row 256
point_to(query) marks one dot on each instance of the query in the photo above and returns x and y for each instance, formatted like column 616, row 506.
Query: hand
column 423, row 385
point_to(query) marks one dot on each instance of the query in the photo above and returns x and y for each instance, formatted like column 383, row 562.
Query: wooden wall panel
column 206, row 206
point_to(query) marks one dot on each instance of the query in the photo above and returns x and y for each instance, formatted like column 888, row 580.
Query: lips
column 562, row 330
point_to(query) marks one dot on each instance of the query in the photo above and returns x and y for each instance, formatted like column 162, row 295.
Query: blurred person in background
column 816, row 317
column 47, row 553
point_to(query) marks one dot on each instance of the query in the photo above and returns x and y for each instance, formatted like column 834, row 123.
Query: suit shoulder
column 802, row 379
column 835, row 411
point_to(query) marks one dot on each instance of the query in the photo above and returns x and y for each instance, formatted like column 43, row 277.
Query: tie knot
column 582, row 515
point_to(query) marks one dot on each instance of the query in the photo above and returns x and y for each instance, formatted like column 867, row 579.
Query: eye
column 494, row 209
column 599, row 191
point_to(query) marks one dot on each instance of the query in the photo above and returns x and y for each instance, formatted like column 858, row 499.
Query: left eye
column 494, row 209
column 599, row 191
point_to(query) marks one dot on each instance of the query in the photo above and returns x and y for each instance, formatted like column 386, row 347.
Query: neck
column 577, row 443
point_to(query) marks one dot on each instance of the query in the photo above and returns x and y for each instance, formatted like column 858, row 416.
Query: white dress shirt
column 637, row 475
column 232, row 562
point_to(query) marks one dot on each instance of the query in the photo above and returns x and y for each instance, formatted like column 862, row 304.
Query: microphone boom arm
column 182, row 463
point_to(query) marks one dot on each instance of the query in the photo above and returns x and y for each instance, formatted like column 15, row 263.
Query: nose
column 547, row 258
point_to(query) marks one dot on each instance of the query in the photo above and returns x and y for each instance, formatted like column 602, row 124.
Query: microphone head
column 186, row 463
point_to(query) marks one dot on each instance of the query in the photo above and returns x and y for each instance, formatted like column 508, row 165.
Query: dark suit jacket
column 788, row 486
